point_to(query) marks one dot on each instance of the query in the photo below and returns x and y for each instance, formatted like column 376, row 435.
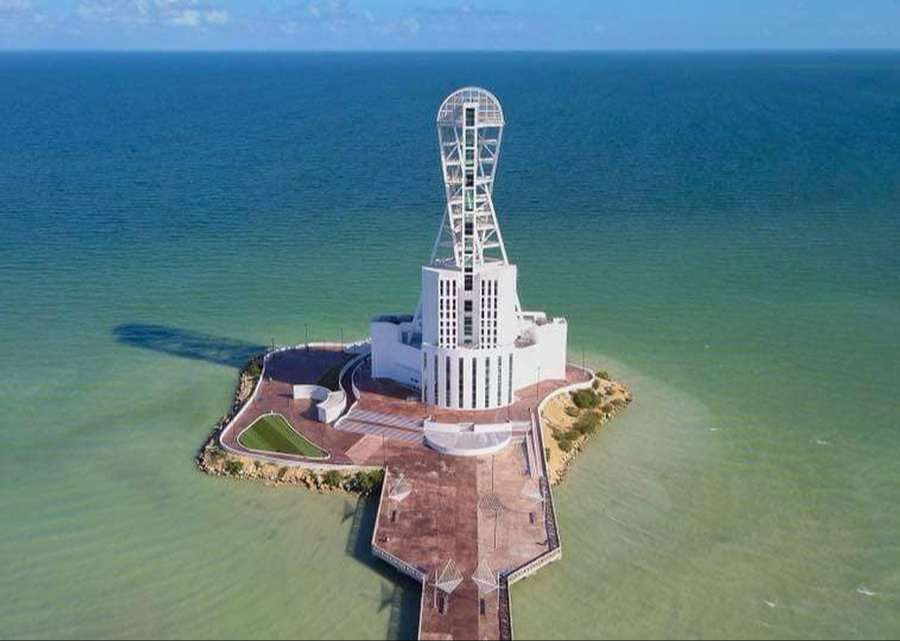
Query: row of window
column 447, row 328
column 438, row 376
column 489, row 312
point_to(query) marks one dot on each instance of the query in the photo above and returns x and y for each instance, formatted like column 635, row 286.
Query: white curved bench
column 329, row 404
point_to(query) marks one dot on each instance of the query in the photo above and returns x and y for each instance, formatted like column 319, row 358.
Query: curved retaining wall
column 360, row 347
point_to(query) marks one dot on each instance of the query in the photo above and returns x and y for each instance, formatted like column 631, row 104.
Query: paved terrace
column 484, row 512
column 274, row 393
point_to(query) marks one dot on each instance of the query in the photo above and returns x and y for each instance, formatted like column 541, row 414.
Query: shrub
column 587, row 424
column 366, row 483
column 585, row 398
column 596, row 384
column 573, row 411
column 254, row 368
column 234, row 468
column 602, row 373
column 332, row 479
column 566, row 445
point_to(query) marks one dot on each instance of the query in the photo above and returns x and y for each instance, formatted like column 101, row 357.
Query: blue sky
column 447, row 24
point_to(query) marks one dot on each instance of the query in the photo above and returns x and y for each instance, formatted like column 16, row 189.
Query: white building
column 469, row 345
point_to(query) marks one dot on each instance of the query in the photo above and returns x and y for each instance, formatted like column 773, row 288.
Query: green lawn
column 272, row 434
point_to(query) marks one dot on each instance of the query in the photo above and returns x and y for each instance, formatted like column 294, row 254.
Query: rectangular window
column 510, row 398
column 470, row 137
column 460, row 379
column 470, row 179
column 467, row 306
column 424, row 377
column 474, row 403
column 500, row 380
column 468, row 282
column 487, row 381
column 470, row 116
column 447, row 385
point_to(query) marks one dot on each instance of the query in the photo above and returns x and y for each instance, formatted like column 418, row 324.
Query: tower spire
column 470, row 128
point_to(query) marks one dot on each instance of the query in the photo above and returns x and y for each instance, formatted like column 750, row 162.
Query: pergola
column 448, row 579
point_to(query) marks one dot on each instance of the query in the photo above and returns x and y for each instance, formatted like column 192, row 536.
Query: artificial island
column 458, row 417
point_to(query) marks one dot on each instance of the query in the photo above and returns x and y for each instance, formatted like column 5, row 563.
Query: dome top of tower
column 490, row 113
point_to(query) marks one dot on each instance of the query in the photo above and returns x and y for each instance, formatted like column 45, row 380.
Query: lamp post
column 306, row 325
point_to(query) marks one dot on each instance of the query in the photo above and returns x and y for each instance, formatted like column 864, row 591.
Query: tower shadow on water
column 400, row 594
column 187, row 344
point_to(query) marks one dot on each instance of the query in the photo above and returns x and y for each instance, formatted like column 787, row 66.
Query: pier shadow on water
column 187, row 344
column 398, row 592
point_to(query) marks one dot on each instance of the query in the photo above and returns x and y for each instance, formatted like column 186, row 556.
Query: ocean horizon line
column 635, row 50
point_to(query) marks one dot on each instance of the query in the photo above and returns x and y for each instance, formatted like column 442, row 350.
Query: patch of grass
column 272, row 434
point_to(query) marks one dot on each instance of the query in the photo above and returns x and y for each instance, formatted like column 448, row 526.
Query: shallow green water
column 721, row 232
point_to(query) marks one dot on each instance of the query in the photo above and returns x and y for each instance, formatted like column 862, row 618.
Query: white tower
column 474, row 344
column 470, row 128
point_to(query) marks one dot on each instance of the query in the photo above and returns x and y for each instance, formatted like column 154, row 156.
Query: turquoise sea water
column 721, row 230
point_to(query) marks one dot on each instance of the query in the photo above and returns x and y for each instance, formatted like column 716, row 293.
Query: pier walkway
column 465, row 527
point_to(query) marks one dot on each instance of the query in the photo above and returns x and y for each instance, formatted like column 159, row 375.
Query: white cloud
column 10, row 6
column 177, row 13
column 218, row 16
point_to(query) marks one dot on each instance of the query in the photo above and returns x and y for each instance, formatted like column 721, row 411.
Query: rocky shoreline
column 570, row 419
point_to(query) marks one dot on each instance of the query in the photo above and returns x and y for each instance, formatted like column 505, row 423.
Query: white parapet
column 329, row 404
column 468, row 439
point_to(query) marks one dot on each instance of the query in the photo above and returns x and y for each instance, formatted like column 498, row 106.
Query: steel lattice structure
column 470, row 128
